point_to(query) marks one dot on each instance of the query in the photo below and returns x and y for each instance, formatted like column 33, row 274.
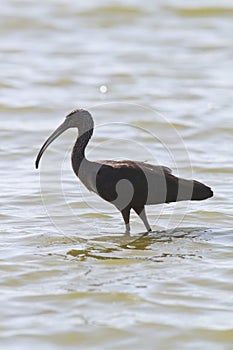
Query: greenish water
column 157, row 77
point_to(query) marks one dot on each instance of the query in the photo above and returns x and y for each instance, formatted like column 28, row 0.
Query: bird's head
column 79, row 118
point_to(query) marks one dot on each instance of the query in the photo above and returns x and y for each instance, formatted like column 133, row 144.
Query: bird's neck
column 78, row 153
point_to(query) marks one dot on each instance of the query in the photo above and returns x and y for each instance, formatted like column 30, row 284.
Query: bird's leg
column 126, row 213
column 142, row 214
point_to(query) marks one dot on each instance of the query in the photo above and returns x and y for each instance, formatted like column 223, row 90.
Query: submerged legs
column 142, row 214
column 126, row 213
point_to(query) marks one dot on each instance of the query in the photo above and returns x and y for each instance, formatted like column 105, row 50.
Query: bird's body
column 126, row 184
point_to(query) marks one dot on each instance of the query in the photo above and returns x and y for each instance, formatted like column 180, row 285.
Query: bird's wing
column 153, row 168
column 146, row 167
column 145, row 179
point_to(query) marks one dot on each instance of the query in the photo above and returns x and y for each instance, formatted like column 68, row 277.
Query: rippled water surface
column 157, row 77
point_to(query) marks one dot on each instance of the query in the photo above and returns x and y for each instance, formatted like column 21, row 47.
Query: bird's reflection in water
column 111, row 247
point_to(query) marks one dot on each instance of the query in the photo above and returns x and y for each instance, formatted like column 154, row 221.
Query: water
column 157, row 77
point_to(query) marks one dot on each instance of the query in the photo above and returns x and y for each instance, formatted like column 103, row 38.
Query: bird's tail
column 201, row 191
column 182, row 189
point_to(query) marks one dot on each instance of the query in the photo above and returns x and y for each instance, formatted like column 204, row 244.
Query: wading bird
column 126, row 184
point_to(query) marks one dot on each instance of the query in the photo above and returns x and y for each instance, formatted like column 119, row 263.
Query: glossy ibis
column 126, row 184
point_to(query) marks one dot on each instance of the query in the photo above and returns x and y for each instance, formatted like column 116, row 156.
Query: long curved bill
column 63, row 127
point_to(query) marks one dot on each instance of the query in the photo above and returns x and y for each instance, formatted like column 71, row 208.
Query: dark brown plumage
column 126, row 184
